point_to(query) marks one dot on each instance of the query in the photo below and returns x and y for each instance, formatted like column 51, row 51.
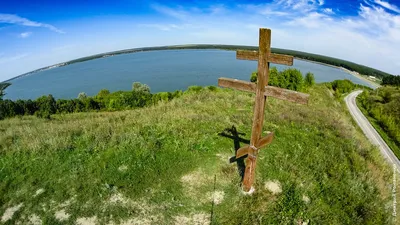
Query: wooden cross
column 264, row 57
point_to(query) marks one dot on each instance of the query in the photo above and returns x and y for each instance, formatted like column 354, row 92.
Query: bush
column 46, row 106
column 194, row 88
column 253, row 77
column 82, row 96
column 289, row 79
column 211, row 88
column 343, row 86
column 139, row 87
column 309, row 80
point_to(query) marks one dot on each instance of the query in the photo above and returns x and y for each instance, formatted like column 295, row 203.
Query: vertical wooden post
column 262, row 79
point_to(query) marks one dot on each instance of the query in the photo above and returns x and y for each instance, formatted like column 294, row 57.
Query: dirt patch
column 273, row 186
column 9, row 213
column 61, row 215
column 87, row 220
column 195, row 219
column 35, row 219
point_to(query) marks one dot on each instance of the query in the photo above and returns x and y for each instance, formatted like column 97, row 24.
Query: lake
column 167, row 70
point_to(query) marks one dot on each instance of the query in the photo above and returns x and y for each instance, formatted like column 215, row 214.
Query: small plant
column 139, row 87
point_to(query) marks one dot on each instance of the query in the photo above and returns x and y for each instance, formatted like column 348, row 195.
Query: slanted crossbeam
column 264, row 57
column 269, row 91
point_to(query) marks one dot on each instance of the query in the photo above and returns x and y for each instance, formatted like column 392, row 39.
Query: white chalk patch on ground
column 195, row 178
column 217, row 197
column 9, row 213
column 118, row 198
column 38, row 192
column 306, row 199
column 123, row 168
column 61, row 215
column 273, row 186
column 201, row 219
column 87, row 220
column 195, row 219
column 35, row 219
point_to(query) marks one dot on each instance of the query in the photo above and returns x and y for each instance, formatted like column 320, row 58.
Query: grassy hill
column 168, row 164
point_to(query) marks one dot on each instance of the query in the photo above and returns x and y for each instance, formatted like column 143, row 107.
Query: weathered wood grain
column 272, row 58
column 258, row 117
column 265, row 140
column 242, row 151
column 288, row 95
column 269, row 91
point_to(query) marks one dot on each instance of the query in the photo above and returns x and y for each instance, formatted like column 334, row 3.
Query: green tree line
column 45, row 106
column 391, row 80
column 383, row 105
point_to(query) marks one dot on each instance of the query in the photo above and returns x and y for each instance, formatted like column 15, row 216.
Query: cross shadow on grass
column 233, row 134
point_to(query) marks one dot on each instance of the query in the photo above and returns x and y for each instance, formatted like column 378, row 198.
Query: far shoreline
column 353, row 73
column 296, row 54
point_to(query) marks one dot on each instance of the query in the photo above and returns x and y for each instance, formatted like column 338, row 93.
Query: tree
column 82, row 96
column 47, row 106
column 309, row 79
column 3, row 87
column 103, row 93
column 139, row 87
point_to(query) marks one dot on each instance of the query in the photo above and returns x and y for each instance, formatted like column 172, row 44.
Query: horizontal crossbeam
column 272, row 58
column 270, row 91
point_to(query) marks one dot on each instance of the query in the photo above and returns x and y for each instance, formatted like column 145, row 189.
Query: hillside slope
column 168, row 164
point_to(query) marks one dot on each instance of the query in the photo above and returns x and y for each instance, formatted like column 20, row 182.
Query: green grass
column 157, row 165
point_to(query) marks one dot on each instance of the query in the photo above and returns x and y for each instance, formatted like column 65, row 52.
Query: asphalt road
column 369, row 130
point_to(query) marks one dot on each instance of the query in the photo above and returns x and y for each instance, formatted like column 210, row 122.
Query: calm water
column 161, row 70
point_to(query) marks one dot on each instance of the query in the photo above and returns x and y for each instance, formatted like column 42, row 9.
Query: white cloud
column 328, row 11
column 387, row 5
column 14, row 19
column 176, row 13
column 371, row 38
column 302, row 6
column 25, row 34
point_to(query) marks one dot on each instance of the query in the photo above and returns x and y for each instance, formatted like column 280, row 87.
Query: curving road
column 369, row 130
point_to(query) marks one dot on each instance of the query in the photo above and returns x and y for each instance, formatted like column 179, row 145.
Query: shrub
column 82, row 96
column 46, row 106
column 309, row 80
column 139, row 87
column 253, row 77
column 194, row 88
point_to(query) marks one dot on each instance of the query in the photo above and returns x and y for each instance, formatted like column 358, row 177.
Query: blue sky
column 39, row 33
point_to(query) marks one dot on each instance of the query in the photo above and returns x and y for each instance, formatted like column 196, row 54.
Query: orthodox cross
column 264, row 57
